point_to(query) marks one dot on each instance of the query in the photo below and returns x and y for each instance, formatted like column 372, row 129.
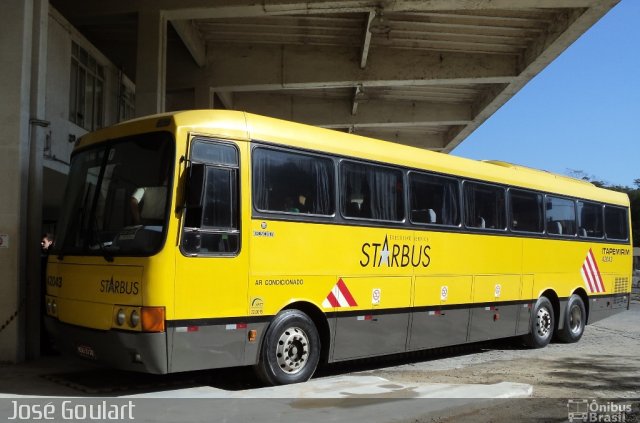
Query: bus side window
column 434, row 199
column 590, row 220
column 484, row 206
column 526, row 211
column 293, row 182
column 377, row 189
column 213, row 226
column 560, row 216
column 616, row 223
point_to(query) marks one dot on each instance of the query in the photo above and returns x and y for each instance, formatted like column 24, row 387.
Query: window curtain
column 380, row 199
column 470, row 206
column 261, row 184
column 323, row 177
column 450, row 205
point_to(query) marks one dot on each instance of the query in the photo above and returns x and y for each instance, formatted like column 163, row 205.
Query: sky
column 582, row 112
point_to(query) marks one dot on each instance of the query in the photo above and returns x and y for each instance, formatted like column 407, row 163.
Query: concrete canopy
column 423, row 73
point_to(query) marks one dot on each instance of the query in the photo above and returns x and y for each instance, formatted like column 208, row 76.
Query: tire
column 542, row 324
column 575, row 318
column 290, row 350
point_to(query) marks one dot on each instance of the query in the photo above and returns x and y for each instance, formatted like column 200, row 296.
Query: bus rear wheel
column 542, row 324
column 290, row 351
column 575, row 318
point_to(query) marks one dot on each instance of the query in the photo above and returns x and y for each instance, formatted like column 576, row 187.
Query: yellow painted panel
column 268, row 294
column 442, row 290
column 494, row 288
column 527, row 287
column 85, row 313
column 469, row 254
column 394, row 292
column 109, row 284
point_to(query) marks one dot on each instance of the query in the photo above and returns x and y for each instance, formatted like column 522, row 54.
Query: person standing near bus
column 148, row 204
column 46, row 345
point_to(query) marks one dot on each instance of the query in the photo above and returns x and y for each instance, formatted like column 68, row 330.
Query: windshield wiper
column 96, row 235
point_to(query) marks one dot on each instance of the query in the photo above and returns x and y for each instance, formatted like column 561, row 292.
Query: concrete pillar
column 37, row 134
column 203, row 97
column 151, row 63
column 16, row 21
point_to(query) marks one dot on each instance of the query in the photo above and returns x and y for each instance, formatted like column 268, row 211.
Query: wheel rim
column 292, row 350
column 543, row 322
column 575, row 319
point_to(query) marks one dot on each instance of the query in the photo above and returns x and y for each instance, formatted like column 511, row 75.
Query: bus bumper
column 134, row 351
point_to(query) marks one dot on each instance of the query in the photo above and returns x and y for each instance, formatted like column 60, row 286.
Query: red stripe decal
column 595, row 263
column 333, row 300
column 593, row 273
column 587, row 274
column 345, row 293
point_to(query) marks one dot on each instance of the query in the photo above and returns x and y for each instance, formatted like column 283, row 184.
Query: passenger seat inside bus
column 554, row 227
column 353, row 209
column 424, row 216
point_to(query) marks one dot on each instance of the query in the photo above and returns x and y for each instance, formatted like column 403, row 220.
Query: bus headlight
column 121, row 317
column 135, row 319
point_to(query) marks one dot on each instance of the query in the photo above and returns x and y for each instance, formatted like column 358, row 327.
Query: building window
column 126, row 103
column 86, row 95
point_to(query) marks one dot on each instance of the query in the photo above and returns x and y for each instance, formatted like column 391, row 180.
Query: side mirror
column 195, row 185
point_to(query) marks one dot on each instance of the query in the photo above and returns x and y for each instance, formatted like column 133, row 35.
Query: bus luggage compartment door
column 496, row 307
column 441, row 311
column 380, row 325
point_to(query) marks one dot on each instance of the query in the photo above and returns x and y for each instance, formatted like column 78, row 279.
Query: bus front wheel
column 290, row 351
column 575, row 318
column 542, row 324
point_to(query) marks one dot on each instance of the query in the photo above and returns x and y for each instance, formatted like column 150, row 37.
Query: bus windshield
column 117, row 198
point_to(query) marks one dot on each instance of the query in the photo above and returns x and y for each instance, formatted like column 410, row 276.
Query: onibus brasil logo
column 582, row 410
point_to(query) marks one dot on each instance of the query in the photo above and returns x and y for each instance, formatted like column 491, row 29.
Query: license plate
column 86, row 352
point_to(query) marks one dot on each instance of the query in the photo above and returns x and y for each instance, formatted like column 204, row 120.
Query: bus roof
column 246, row 126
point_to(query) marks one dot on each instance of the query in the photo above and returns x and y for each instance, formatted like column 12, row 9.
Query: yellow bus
column 208, row 239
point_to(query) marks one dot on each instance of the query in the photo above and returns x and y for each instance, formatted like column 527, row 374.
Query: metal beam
column 204, row 9
column 336, row 113
column 226, row 98
column 366, row 42
column 358, row 95
column 290, row 67
column 192, row 40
